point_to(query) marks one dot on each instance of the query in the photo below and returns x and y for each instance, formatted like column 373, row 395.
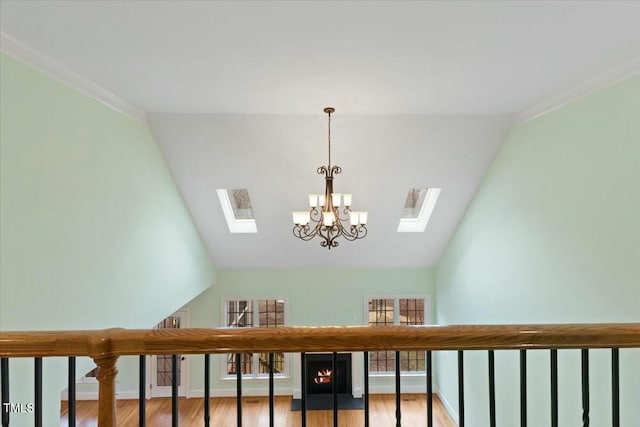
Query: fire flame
column 323, row 377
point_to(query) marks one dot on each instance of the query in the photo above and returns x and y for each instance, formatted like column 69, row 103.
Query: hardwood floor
column 255, row 413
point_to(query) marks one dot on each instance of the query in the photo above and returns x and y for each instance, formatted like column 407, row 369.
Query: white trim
column 391, row 388
column 447, row 406
column 419, row 224
column 256, row 377
column 284, row 391
column 585, row 88
column 428, row 309
column 278, row 391
column 396, row 320
column 93, row 395
column 27, row 55
column 151, row 362
column 403, row 374
column 235, row 225
column 255, row 303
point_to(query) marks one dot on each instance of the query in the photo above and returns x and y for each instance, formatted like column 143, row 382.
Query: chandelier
column 330, row 216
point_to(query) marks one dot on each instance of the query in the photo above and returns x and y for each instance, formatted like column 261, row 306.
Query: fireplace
column 320, row 376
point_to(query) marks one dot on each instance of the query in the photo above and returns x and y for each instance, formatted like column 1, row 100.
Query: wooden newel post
column 107, row 372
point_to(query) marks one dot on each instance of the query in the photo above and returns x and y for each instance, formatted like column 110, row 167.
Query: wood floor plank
column 256, row 413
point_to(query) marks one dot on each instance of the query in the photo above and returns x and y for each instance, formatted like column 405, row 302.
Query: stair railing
column 105, row 346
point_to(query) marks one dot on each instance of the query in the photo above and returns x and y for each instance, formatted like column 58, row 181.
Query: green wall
column 313, row 298
column 94, row 233
column 552, row 236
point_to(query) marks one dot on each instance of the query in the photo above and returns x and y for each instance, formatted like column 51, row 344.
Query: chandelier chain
column 329, row 133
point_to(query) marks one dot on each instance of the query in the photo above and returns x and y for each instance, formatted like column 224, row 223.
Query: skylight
column 237, row 209
column 417, row 209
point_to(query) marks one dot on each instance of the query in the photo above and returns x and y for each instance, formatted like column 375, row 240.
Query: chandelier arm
column 361, row 230
column 332, row 242
column 340, row 230
column 335, row 231
column 321, row 230
column 326, row 237
column 315, row 215
column 339, row 214
column 347, row 234
column 354, row 232
column 329, row 171
column 303, row 233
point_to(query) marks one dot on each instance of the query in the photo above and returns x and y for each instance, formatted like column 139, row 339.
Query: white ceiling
column 424, row 94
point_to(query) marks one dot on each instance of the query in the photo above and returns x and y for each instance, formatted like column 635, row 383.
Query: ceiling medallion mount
column 330, row 216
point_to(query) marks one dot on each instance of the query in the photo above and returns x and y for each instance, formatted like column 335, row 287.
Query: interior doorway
column 161, row 366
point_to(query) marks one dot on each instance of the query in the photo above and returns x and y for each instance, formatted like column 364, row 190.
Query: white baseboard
column 245, row 392
column 93, row 395
column 386, row 389
column 391, row 389
column 447, row 406
column 285, row 391
column 124, row 395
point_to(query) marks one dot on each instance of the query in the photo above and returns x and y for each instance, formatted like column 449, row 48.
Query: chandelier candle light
column 330, row 215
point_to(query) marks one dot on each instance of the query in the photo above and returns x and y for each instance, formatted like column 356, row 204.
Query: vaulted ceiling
column 425, row 93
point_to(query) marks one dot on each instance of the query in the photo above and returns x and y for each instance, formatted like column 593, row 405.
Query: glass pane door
column 161, row 365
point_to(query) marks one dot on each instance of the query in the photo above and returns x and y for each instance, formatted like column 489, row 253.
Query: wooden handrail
column 120, row 342
column 105, row 346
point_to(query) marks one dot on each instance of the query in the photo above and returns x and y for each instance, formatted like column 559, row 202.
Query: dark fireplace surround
column 319, row 376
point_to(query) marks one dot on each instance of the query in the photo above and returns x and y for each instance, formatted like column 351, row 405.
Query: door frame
column 154, row 391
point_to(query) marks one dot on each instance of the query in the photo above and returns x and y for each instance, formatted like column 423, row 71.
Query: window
column 417, row 210
column 397, row 311
column 264, row 313
column 237, row 210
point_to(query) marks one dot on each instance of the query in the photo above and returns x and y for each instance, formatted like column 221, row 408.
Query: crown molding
column 24, row 54
column 588, row 87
